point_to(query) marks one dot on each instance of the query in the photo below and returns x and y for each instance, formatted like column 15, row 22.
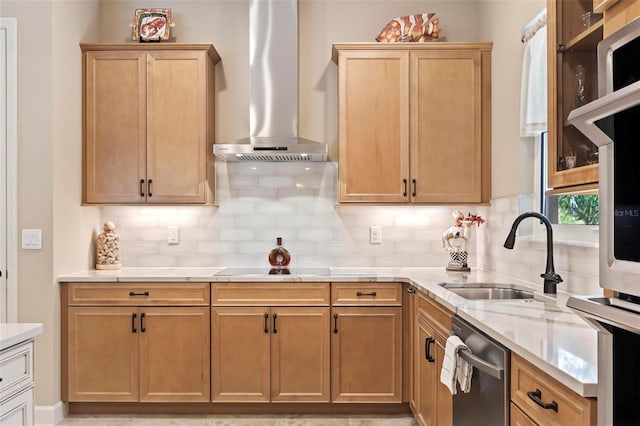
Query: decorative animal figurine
column 461, row 229
column 411, row 28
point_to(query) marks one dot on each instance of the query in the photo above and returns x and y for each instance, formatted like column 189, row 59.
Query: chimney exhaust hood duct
column 273, row 109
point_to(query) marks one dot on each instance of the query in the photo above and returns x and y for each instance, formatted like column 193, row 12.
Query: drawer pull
column 133, row 323
column 266, row 323
column 427, row 349
column 275, row 329
column 537, row 398
column 415, row 188
column 142, row 327
column 373, row 293
column 149, row 182
column 335, row 323
column 404, row 187
column 142, row 187
column 411, row 290
column 133, row 293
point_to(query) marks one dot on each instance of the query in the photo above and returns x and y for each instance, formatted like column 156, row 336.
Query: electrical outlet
column 375, row 235
column 173, row 235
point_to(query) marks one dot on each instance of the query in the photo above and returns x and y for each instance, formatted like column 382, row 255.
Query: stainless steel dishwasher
column 487, row 403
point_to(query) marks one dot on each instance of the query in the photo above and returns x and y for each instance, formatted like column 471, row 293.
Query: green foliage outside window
column 578, row 210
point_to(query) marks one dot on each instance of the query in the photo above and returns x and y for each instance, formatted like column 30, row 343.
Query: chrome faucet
column 551, row 279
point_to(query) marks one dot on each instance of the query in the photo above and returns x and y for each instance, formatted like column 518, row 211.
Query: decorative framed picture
column 151, row 25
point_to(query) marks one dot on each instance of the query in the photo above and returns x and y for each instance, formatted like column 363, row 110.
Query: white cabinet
column 16, row 385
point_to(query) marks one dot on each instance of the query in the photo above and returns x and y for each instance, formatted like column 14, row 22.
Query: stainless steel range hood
column 273, row 109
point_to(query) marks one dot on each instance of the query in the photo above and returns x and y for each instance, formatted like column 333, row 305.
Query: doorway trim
column 9, row 157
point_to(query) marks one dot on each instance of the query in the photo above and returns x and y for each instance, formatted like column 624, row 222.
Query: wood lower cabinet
column 270, row 342
column 240, row 354
column 433, row 401
column 409, row 303
column 543, row 400
column 148, row 115
column 270, row 354
column 366, row 348
column 366, row 342
column 134, row 353
column 420, row 115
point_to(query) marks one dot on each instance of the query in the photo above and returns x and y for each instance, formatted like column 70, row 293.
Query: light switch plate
column 32, row 239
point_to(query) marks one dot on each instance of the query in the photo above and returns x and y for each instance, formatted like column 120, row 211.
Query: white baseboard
column 49, row 415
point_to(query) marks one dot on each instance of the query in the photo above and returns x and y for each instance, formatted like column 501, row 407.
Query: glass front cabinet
column 573, row 32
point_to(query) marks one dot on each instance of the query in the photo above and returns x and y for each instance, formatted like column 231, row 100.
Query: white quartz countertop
column 14, row 333
column 541, row 330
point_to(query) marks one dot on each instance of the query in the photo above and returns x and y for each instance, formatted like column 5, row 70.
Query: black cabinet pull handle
column 537, row 398
column 411, row 290
column 266, row 323
column 415, row 187
column 142, row 187
column 359, row 294
column 133, row 293
column 404, row 186
column 133, row 323
column 427, row 349
column 142, row 327
column 275, row 329
column 149, row 187
column 335, row 323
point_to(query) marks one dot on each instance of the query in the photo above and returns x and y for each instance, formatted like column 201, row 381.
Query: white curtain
column 533, row 88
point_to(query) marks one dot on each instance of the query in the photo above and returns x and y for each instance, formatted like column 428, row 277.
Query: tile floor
column 227, row 420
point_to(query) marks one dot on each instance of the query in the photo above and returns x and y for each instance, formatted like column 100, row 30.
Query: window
column 565, row 211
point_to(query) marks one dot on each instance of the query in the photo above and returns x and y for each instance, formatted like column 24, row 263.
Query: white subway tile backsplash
column 258, row 202
column 276, row 182
column 237, row 234
column 216, row 247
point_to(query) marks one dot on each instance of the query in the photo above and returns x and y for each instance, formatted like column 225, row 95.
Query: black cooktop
column 262, row 272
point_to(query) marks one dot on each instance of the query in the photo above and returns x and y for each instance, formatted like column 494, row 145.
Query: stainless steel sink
column 479, row 291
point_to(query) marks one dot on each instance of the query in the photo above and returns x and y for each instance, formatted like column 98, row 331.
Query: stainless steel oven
column 613, row 123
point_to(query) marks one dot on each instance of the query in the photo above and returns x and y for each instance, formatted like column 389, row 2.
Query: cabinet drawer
column 518, row 418
column 366, row 294
column 139, row 294
column 16, row 368
column 529, row 382
column 270, row 294
column 439, row 316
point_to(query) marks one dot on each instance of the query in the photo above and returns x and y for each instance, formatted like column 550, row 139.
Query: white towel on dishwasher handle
column 451, row 364
column 465, row 371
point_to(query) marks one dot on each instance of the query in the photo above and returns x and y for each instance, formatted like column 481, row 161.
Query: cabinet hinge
column 561, row 48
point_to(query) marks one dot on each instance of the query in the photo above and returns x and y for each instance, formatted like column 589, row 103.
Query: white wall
column 49, row 145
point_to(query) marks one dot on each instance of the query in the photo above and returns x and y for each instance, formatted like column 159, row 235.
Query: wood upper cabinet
column 148, row 115
column 373, row 126
column 134, row 353
column 570, row 46
column 414, row 122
